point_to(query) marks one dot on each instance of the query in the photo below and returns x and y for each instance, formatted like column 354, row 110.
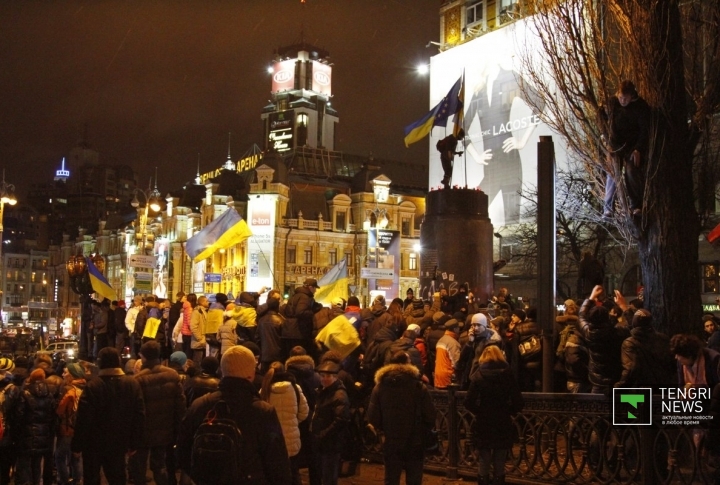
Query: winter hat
column 6, row 365
column 437, row 316
column 642, row 318
column 520, row 314
column 451, row 324
column 238, row 361
column 221, row 298
column 248, row 344
column 121, row 303
column 36, row 375
column 414, row 327
column 150, row 350
column 210, row 365
column 39, row 359
column 328, row 367
column 479, row 319
column 417, row 304
column 311, row 282
column 379, row 300
column 178, row 358
column 76, row 370
column 245, row 298
column 398, row 301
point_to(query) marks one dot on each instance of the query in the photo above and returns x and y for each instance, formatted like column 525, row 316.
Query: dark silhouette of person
column 630, row 119
column 447, row 148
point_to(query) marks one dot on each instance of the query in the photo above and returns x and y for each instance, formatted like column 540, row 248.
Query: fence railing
column 569, row 438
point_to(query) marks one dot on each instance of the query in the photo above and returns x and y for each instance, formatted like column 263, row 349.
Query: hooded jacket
column 646, row 360
column 197, row 327
column 331, row 418
column 399, row 406
column 291, row 407
column 227, row 335
column 164, row 404
column 303, row 368
column 447, row 355
column 298, row 323
column 34, row 418
column 268, row 333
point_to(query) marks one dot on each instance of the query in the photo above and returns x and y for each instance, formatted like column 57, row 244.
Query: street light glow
column 423, row 69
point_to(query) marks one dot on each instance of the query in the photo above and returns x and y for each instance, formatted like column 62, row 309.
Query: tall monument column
column 456, row 239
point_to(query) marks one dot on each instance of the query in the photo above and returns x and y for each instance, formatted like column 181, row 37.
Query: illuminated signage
column 260, row 216
column 321, row 78
column 280, row 137
column 283, row 78
column 242, row 165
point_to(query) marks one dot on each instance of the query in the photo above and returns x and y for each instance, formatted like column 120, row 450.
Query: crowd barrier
column 566, row 438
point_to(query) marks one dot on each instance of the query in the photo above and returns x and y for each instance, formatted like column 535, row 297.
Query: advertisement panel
column 384, row 252
column 160, row 272
column 502, row 130
column 261, row 220
column 283, row 77
column 280, row 134
column 321, row 78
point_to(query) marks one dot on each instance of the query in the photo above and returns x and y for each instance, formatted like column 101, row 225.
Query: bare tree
column 672, row 54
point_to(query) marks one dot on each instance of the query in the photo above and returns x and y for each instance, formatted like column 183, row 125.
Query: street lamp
column 7, row 196
column 152, row 201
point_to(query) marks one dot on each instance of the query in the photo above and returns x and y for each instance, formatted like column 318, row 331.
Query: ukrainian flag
column 99, row 284
column 224, row 232
column 438, row 116
column 333, row 284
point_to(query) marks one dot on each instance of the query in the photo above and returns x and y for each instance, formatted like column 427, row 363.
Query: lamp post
column 80, row 283
column 152, row 201
column 7, row 196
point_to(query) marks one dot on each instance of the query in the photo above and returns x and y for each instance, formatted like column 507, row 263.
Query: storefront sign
column 141, row 261
column 213, row 277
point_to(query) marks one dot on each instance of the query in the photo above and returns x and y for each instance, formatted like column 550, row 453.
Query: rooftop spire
column 198, row 180
column 229, row 165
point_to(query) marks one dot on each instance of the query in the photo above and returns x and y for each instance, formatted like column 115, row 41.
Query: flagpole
column 463, row 128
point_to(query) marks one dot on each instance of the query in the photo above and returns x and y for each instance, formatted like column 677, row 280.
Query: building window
column 349, row 258
column 333, row 257
column 291, row 256
column 412, row 262
column 711, row 278
column 405, row 226
column 302, row 129
column 340, row 221
column 474, row 12
column 308, row 256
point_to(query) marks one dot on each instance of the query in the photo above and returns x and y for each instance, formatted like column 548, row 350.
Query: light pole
column 152, row 201
column 7, row 196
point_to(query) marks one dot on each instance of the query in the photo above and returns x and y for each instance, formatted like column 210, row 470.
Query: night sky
column 157, row 82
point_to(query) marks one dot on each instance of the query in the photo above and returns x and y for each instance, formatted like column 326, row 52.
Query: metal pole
column 2, row 264
column 546, row 255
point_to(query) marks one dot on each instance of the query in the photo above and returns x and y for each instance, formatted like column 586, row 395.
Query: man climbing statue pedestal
column 447, row 147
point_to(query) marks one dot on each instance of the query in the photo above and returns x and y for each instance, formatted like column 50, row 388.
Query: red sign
column 260, row 217
column 321, row 78
column 283, row 77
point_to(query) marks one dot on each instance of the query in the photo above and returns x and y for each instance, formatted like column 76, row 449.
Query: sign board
column 141, row 261
column 143, row 282
column 321, row 78
column 213, row 277
column 374, row 273
column 283, row 75
column 280, row 135
column 261, row 210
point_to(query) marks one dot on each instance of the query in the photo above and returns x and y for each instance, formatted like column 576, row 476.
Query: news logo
column 632, row 406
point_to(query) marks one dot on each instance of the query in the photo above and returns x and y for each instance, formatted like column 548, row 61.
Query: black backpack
column 217, row 449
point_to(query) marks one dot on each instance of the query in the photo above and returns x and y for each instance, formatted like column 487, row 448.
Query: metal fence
column 568, row 438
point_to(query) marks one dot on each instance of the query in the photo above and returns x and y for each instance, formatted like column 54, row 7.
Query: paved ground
column 373, row 473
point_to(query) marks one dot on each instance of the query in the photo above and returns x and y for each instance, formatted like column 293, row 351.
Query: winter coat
column 226, row 335
column 298, row 323
column 151, row 310
column 382, row 319
column 396, row 400
column 164, row 404
column 712, row 369
column 375, row 355
column 471, row 352
column 494, row 398
column 603, row 344
column 214, row 318
column 303, row 368
column 419, row 344
column 265, row 458
column 67, row 409
column 99, row 321
column 268, row 333
column 446, row 358
column 331, row 418
column 575, row 356
column 199, row 385
column 292, row 408
column 176, row 310
column 119, row 319
column 245, row 316
column 646, row 360
column 111, row 414
column 324, row 316
column 130, row 318
column 404, row 345
column 197, row 327
column 187, row 311
column 523, row 331
column 34, row 418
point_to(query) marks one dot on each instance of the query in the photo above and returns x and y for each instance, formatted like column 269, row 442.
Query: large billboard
column 283, row 76
column 321, row 78
column 502, row 130
column 384, row 253
column 280, row 134
column 261, row 221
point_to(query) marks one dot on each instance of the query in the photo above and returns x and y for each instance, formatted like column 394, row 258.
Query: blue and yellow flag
column 333, row 284
column 100, row 285
column 224, row 232
column 438, row 116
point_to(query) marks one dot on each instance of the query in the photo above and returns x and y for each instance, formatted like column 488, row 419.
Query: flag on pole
column 459, row 118
column 99, row 284
column 224, row 232
column 333, row 284
column 438, row 116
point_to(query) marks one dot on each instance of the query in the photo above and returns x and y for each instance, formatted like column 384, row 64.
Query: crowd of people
column 291, row 376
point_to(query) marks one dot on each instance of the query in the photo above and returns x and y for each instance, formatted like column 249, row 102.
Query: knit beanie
column 642, row 318
column 238, row 361
column 414, row 327
column 76, row 370
column 178, row 358
column 6, row 365
column 36, row 375
column 479, row 319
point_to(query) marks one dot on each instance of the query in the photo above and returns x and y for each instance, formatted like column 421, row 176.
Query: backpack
column 217, row 449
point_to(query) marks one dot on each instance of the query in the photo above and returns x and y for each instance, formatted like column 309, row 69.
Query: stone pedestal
column 456, row 238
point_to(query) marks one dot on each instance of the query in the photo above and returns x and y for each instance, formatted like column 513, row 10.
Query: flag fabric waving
column 459, row 118
column 438, row 116
column 333, row 284
column 100, row 285
column 224, row 232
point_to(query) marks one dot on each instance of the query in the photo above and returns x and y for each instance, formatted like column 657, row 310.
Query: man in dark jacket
column 203, row 383
column 164, row 408
column 264, row 459
column 603, row 340
column 110, row 420
column 121, row 331
column 298, row 326
column 401, row 407
column 268, row 332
